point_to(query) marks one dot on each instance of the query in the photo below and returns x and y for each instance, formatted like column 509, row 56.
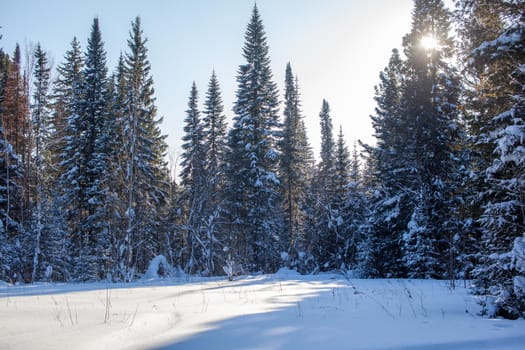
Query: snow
column 281, row 311
column 158, row 268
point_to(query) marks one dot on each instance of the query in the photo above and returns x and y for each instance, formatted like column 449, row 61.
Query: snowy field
column 281, row 311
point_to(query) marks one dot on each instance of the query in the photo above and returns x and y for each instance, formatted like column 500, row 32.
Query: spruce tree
column 340, row 216
column 69, row 76
column 70, row 163
column 86, row 168
column 66, row 91
column 430, row 100
column 41, row 130
column 145, row 147
column 494, row 48
column 323, row 234
column 10, row 195
column 357, row 210
column 295, row 168
column 192, row 157
column 193, row 181
column 253, row 157
column 215, row 140
column 216, row 148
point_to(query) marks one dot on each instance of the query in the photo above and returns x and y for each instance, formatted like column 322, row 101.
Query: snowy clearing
column 281, row 311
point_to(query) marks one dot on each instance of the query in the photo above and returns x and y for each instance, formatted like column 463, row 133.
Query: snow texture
column 281, row 311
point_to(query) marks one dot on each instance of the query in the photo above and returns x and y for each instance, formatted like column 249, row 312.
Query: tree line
column 86, row 194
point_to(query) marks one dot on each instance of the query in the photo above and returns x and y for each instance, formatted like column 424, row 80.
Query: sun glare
column 429, row 42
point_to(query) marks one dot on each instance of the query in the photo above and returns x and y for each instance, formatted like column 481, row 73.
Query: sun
column 429, row 42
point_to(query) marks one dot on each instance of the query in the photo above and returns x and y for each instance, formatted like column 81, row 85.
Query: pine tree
column 63, row 144
column 327, row 164
column 391, row 173
column 41, row 130
column 430, row 99
column 70, row 163
column 116, row 182
column 357, row 210
column 494, row 40
column 340, row 216
column 69, row 76
column 146, row 173
column 295, row 168
column 324, row 235
column 216, row 148
column 193, row 181
column 215, row 141
column 253, row 159
column 85, row 164
column 10, row 194
column 192, row 158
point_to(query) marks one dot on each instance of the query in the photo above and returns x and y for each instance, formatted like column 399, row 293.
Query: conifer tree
column 146, row 173
column 69, row 78
column 323, row 235
column 193, row 181
column 295, row 168
column 216, row 148
column 41, row 130
column 358, row 212
column 340, row 215
column 10, row 195
column 494, row 48
column 342, row 167
column 430, row 100
column 85, row 165
column 253, row 158
column 192, row 158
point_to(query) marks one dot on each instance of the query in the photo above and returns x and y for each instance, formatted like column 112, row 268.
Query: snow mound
column 286, row 272
column 158, row 268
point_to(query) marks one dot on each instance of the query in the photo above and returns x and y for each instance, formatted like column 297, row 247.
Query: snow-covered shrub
column 158, row 268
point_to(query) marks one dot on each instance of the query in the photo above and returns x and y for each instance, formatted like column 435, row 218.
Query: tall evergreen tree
column 215, row 130
column 146, row 173
column 324, row 235
column 342, row 166
column 327, row 163
column 193, row 181
column 380, row 255
column 430, row 100
column 70, row 144
column 340, row 215
column 10, row 195
column 357, row 212
column 192, row 158
column 69, row 77
column 85, row 164
column 216, row 148
column 494, row 37
column 253, row 159
column 41, row 130
column 295, row 168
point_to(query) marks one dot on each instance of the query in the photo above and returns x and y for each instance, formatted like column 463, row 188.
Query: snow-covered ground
column 281, row 311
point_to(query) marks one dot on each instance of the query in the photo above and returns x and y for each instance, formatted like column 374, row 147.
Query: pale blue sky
column 336, row 47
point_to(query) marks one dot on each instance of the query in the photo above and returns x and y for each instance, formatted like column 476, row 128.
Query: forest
column 86, row 193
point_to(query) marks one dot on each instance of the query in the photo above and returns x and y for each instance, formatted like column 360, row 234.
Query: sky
column 336, row 48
